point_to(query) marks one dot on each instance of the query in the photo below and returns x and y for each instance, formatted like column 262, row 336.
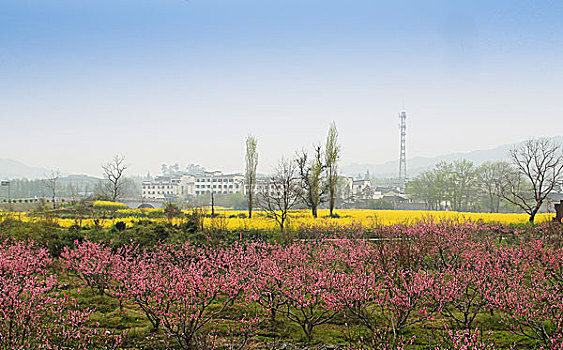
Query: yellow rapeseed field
column 109, row 205
column 142, row 211
column 235, row 220
column 365, row 217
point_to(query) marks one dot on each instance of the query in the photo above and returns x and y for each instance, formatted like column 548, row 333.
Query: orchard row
column 430, row 275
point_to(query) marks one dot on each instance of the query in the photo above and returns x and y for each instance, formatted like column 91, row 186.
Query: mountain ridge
column 417, row 165
column 13, row 169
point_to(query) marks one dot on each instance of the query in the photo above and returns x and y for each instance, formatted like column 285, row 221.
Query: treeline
column 462, row 186
column 534, row 173
column 69, row 187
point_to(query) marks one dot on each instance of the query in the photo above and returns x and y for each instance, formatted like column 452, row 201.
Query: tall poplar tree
column 251, row 164
column 332, row 155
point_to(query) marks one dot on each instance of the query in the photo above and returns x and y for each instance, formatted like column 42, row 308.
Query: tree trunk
column 212, row 205
column 314, row 211
column 533, row 216
column 331, row 204
column 308, row 332
column 535, row 211
column 250, row 205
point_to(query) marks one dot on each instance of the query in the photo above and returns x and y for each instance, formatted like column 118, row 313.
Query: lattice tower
column 403, row 153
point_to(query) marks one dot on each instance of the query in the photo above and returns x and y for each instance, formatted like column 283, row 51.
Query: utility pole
column 212, row 197
column 403, row 153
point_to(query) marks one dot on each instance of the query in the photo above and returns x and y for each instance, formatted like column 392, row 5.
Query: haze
column 164, row 81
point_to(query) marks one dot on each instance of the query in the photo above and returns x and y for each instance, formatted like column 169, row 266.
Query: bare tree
column 73, row 192
column 113, row 173
column 538, row 163
column 332, row 155
column 279, row 196
column 251, row 165
column 311, row 187
column 50, row 181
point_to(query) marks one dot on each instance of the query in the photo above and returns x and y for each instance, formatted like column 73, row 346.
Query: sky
column 186, row 81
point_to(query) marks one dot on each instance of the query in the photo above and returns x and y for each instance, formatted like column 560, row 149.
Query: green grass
column 138, row 332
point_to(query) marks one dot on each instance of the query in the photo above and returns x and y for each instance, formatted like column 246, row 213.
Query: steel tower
column 403, row 154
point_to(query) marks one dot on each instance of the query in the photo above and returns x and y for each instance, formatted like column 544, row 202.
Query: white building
column 217, row 182
column 359, row 189
column 167, row 187
column 266, row 185
column 186, row 186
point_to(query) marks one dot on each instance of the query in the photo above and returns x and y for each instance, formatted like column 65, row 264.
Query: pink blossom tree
column 34, row 312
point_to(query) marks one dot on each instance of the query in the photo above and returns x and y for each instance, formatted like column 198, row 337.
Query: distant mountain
column 418, row 164
column 80, row 180
column 12, row 169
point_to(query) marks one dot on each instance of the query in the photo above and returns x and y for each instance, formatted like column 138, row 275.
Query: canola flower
column 140, row 212
column 237, row 220
column 217, row 208
column 233, row 220
column 109, row 205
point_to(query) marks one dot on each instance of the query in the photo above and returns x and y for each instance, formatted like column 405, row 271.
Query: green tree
column 250, row 173
column 332, row 155
column 425, row 187
column 461, row 185
column 446, row 186
column 489, row 183
column 171, row 211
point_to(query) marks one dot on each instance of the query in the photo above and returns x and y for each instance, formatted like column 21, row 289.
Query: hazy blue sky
column 187, row 80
